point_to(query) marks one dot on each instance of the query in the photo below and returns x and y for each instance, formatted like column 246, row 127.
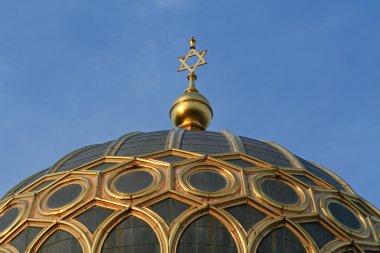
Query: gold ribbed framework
column 191, row 111
column 171, row 181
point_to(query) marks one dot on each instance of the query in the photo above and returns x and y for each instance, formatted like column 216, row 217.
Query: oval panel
column 344, row 215
column 133, row 182
column 207, row 181
column 8, row 218
column 64, row 196
column 279, row 192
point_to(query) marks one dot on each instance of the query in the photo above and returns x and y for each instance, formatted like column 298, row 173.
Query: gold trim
column 157, row 179
column 23, row 225
column 75, row 231
column 114, row 147
column 60, row 162
column 8, row 249
column 235, row 142
column 105, row 159
column 180, row 196
column 363, row 232
column 302, row 173
column 370, row 208
column 42, row 206
column 336, row 177
column 250, row 159
column 175, row 152
column 267, row 227
column 150, row 220
column 343, row 247
column 22, row 206
column 307, row 218
column 292, row 159
column 256, row 181
column 239, row 225
column 181, row 225
column 53, row 178
column 235, row 201
column 188, row 171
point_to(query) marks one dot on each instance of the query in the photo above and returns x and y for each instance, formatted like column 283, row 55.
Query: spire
column 191, row 111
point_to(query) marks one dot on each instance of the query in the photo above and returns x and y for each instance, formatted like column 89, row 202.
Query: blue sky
column 304, row 74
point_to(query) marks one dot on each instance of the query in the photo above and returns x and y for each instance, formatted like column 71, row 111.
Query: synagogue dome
column 186, row 190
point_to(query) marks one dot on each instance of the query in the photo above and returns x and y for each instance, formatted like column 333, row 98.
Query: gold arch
column 231, row 225
column 265, row 228
column 152, row 221
column 82, row 238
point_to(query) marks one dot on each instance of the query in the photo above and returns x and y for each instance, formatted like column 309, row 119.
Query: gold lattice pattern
column 199, row 185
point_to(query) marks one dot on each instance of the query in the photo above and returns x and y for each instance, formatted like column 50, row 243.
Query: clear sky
column 304, row 74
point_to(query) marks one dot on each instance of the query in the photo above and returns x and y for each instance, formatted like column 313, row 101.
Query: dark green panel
column 143, row 143
column 362, row 207
column 93, row 217
column 42, row 185
column 305, row 180
column 132, row 235
column 319, row 233
column 87, row 155
column 280, row 240
column 26, row 182
column 206, row 235
column 240, row 163
column 170, row 158
column 279, row 191
column 7, row 218
column 22, row 240
column 169, row 209
column 133, row 181
column 265, row 152
column 207, row 181
column 64, row 196
column 345, row 216
column 102, row 166
column 320, row 173
column 205, row 142
column 246, row 215
column 61, row 242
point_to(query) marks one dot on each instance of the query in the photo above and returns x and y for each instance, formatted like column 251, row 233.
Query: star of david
column 192, row 53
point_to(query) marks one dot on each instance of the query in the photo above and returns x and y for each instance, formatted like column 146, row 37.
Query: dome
column 186, row 191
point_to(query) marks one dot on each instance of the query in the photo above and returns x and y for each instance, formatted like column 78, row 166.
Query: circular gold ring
column 21, row 206
column 154, row 185
column 361, row 232
column 85, row 184
column 256, row 186
column 187, row 172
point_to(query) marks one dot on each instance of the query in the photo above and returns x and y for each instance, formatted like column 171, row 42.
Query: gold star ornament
column 192, row 53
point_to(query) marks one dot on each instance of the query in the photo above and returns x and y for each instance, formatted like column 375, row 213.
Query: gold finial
column 191, row 111
column 190, row 54
column 192, row 42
